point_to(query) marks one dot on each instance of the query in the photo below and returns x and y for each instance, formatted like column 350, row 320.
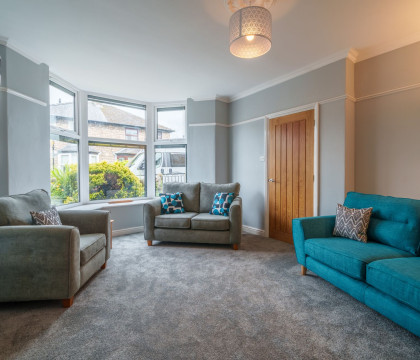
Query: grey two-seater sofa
column 196, row 224
column 49, row 262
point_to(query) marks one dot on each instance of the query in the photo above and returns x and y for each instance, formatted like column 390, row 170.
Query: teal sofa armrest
column 235, row 221
column 39, row 262
column 309, row 228
column 150, row 210
column 89, row 222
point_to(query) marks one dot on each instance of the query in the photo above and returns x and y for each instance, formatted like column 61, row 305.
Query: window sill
column 107, row 205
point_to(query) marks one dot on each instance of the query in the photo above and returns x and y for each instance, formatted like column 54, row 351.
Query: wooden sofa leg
column 303, row 270
column 149, row 242
column 67, row 302
column 235, row 246
column 103, row 266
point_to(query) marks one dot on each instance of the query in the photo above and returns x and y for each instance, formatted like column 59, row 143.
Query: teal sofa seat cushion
column 174, row 221
column 349, row 256
column 209, row 222
column 15, row 209
column 394, row 221
column 90, row 245
column 399, row 278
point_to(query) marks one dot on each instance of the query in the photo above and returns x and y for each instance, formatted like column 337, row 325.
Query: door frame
column 315, row 107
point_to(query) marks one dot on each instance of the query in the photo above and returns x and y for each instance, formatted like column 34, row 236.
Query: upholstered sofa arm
column 150, row 210
column 235, row 220
column 309, row 228
column 39, row 262
column 89, row 222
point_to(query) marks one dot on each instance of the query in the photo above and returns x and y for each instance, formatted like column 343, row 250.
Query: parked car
column 171, row 161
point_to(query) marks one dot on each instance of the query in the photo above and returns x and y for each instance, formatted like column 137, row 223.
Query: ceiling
column 167, row 50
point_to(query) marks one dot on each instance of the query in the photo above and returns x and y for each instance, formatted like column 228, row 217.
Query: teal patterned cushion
column 171, row 203
column 221, row 203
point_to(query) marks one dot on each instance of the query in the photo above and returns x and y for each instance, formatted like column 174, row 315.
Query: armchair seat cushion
column 205, row 221
column 90, row 245
column 174, row 221
column 348, row 256
column 399, row 278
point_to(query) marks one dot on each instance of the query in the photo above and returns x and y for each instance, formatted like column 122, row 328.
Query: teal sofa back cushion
column 15, row 209
column 394, row 221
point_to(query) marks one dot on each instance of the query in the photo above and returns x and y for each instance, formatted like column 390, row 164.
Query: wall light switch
column 262, row 158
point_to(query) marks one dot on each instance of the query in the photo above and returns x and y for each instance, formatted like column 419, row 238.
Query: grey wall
column 25, row 163
column 247, row 141
column 126, row 216
column 207, row 158
column 388, row 127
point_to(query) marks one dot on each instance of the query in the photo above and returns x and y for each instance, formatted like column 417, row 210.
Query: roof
column 72, row 148
column 104, row 113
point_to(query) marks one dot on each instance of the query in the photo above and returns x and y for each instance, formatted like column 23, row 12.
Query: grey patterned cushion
column 352, row 223
column 47, row 217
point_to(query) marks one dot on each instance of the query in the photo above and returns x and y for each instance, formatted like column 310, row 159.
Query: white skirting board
column 252, row 230
column 127, row 231
column 137, row 229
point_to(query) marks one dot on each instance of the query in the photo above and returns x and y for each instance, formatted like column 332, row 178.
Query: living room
column 151, row 93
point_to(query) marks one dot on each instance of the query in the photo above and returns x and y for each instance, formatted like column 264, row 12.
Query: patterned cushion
column 46, row 217
column 221, row 203
column 352, row 223
column 171, row 203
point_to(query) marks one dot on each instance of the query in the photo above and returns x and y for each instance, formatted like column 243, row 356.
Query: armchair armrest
column 235, row 220
column 150, row 210
column 89, row 222
column 39, row 262
column 308, row 228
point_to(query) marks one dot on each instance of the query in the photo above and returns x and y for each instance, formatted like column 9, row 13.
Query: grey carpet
column 190, row 301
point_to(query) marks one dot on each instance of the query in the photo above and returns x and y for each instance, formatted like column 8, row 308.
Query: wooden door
column 290, row 172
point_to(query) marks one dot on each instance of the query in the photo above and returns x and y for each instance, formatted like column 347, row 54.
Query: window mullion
column 84, row 148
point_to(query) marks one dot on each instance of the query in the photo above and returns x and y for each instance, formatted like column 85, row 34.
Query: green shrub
column 106, row 181
column 113, row 181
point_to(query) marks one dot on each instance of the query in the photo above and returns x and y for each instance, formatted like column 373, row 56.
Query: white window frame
column 81, row 134
column 114, row 141
column 70, row 134
column 169, row 142
column 155, row 127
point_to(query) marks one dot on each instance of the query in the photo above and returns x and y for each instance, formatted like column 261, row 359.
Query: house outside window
column 64, row 146
column 117, row 134
column 170, row 152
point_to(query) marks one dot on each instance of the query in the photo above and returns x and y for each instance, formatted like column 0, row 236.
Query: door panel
column 290, row 168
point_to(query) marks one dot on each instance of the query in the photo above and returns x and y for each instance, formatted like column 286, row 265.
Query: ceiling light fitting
column 250, row 31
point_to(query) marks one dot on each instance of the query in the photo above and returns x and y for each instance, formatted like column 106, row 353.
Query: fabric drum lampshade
column 250, row 32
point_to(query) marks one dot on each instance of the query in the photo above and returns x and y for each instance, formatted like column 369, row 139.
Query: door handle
column 271, row 180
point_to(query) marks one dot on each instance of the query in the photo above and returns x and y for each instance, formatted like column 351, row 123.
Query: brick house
column 104, row 121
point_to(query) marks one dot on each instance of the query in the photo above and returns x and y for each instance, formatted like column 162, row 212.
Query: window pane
column 170, row 164
column 116, row 171
column 116, row 120
column 62, row 108
column 64, row 155
column 171, row 123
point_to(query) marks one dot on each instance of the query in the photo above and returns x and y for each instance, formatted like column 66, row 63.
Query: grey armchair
column 49, row 262
column 196, row 224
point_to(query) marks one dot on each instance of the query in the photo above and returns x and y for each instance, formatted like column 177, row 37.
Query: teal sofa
column 383, row 273
column 52, row 261
column 196, row 225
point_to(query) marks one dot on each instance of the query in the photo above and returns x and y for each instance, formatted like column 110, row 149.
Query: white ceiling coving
column 164, row 50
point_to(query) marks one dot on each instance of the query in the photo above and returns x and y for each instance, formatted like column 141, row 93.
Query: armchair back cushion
column 394, row 221
column 15, row 209
column 190, row 194
column 207, row 192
